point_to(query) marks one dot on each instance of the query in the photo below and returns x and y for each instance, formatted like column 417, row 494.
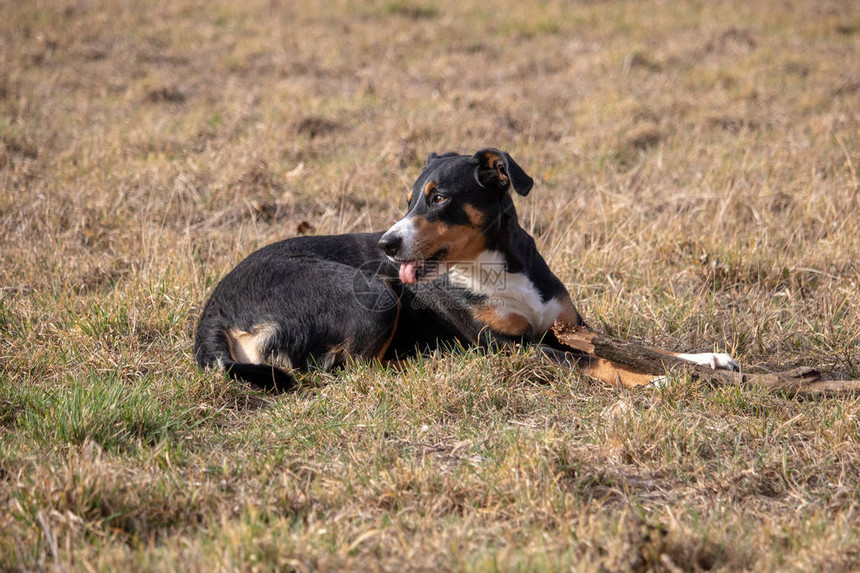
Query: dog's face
column 454, row 214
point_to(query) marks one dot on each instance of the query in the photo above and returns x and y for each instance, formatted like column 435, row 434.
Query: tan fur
column 568, row 314
column 387, row 343
column 476, row 217
column 281, row 361
column 249, row 347
column 493, row 160
column 615, row 374
column 464, row 242
column 512, row 324
column 338, row 353
column 604, row 370
column 429, row 188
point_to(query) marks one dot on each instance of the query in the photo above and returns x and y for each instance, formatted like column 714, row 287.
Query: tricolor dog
column 457, row 268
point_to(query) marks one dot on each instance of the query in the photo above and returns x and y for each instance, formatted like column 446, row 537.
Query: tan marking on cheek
column 428, row 235
column 464, row 243
column 512, row 324
column 250, row 347
column 429, row 188
column 424, row 229
column 476, row 217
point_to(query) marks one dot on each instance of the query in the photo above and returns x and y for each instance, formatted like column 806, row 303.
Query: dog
column 457, row 269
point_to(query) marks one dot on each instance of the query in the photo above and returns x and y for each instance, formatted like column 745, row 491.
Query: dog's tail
column 211, row 348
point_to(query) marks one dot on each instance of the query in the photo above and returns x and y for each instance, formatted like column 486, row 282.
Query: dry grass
column 697, row 168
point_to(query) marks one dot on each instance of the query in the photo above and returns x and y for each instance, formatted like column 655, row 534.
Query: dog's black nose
column 390, row 244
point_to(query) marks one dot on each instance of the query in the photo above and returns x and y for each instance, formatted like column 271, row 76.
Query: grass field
column 697, row 189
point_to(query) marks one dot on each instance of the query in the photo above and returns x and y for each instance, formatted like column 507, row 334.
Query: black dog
column 458, row 268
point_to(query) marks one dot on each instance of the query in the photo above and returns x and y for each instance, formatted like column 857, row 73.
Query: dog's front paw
column 715, row 360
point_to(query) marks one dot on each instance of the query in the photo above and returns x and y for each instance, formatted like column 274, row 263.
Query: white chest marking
column 509, row 293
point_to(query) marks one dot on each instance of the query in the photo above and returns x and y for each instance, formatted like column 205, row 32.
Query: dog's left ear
column 497, row 169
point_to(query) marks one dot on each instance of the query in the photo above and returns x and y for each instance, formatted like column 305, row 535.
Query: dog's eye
column 437, row 199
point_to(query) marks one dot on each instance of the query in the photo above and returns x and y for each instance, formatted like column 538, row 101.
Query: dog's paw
column 717, row 361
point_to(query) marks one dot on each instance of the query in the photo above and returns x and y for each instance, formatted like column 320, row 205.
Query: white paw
column 714, row 360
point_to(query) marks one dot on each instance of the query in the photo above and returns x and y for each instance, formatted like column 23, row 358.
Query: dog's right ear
column 434, row 157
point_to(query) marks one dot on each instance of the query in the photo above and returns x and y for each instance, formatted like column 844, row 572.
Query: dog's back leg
column 296, row 313
column 214, row 347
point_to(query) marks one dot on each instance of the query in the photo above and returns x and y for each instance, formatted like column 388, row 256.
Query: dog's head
column 456, row 209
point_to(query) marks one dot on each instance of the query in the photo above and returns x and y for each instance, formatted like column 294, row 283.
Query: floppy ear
column 497, row 169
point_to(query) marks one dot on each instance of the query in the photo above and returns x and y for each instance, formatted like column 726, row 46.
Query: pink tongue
column 407, row 271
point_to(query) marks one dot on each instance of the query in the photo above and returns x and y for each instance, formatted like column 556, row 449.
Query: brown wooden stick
column 798, row 382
